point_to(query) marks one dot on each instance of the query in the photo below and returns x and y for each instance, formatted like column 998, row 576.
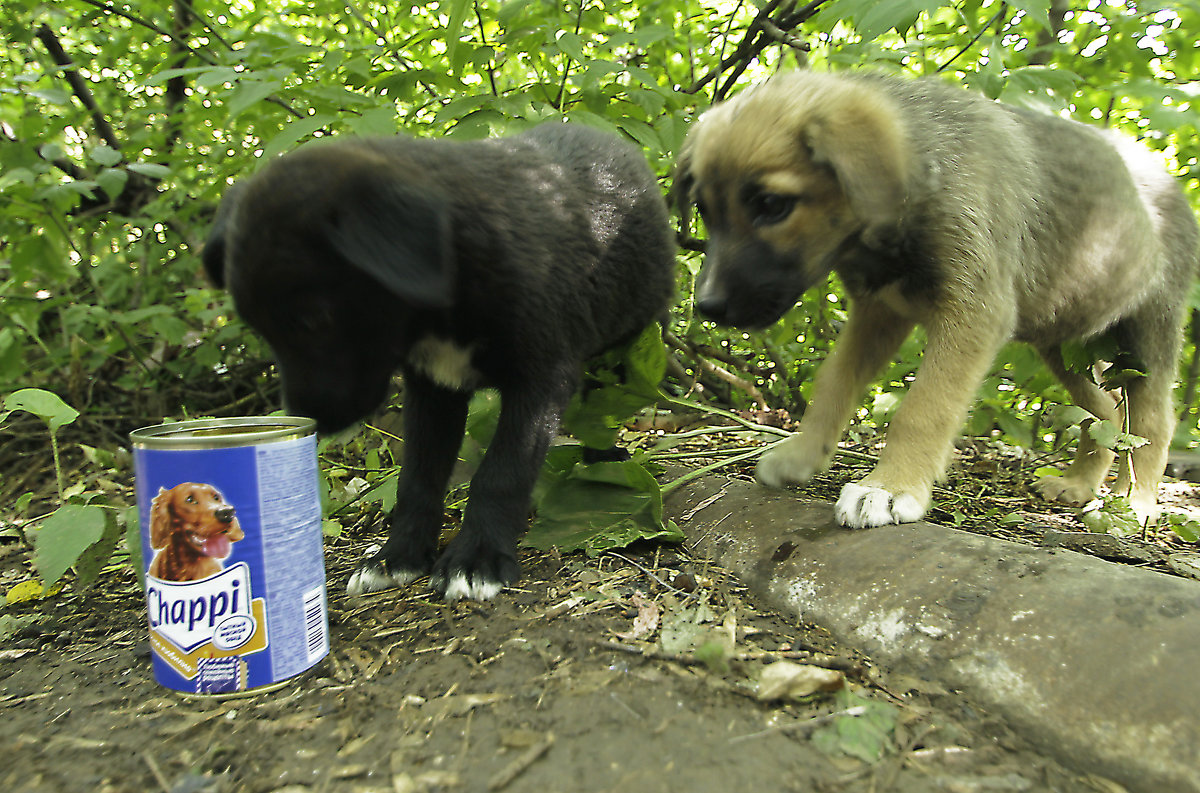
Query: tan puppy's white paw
column 863, row 506
column 790, row 462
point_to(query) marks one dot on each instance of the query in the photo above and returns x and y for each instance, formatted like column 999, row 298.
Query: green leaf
column 621, row 383
column 1116, row 377
column 112, row 181
column 45, row 405
column 12, row 360
column 599, row 507
column 1109, row 436
column 63, row 537
column 646, row 361
column 570, row 44
column 454, row 26
column 1077, row 357
column 50, row 151
column 379, row 121
column 715, row 655
column 880, row 17
column 1037, row 10
column 150, row 169
column 1040, row 79
column 867, row 732
column 106, row 156
column 1065, row 416
column 212, row 77
column 158, row 78
column 293, row 132
column 249, row 93
column 1113, row 516
column 95, row 557
column 1187, row 529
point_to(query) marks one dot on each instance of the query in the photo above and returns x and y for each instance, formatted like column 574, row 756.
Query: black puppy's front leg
column 434, row 420
column 483, row 557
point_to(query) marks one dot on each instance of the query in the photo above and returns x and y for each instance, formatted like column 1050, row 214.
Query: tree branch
column 79, row 86
column 718, row 372
column 773, row 24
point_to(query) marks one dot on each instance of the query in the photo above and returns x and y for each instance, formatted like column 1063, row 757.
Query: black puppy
column 499, row 263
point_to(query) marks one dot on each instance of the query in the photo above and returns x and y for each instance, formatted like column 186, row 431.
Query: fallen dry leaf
column 787, row 680
column 646, row 621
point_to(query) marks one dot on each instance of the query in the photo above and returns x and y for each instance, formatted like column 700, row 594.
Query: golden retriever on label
column 980, row 222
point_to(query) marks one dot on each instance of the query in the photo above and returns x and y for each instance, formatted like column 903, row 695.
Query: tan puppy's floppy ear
column 161, row 519
column 867, row 146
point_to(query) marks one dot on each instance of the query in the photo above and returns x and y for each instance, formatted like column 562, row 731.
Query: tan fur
column 938, row 207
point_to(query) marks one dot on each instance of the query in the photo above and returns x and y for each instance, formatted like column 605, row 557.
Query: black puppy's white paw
column 375, row 576
column 473, row 573
column 464, row 586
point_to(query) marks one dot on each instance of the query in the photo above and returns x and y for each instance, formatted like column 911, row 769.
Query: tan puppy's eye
column 767, row 209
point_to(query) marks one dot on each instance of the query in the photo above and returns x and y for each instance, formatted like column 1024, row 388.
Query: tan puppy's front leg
column 921, row 435
column 870, row 338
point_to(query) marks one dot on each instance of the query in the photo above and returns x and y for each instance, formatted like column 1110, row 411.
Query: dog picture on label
column 502, row 263
column 980, row 222
column 192, row 528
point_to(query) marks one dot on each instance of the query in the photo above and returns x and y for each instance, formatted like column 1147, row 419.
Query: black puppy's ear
column 400, row 235
column 213, row 254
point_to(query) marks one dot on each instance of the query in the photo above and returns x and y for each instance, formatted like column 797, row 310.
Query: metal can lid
column 222, row 432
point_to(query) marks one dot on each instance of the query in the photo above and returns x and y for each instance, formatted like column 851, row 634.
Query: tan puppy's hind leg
column 1154, row 336
column 1151, row 415
column 921, row 435
column 1081, row 481
column 870, row 338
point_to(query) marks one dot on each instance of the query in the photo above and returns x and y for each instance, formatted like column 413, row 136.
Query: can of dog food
column 231, row 541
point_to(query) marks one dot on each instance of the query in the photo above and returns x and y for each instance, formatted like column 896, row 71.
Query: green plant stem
column 687, row 455
column 671, row 487
column 729, row 415
column 58, row 474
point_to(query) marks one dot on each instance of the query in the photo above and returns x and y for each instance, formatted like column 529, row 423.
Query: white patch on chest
column 444, row 362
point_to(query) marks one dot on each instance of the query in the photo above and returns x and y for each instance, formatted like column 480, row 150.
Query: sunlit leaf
column 45, row 405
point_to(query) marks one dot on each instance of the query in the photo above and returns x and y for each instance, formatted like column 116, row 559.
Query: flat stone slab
column 1098, row 663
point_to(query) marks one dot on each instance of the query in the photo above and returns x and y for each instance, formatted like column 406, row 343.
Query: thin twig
column 808, row 724
column 505, row 776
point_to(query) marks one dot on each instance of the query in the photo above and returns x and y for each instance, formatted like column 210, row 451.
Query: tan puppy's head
column 787, row 175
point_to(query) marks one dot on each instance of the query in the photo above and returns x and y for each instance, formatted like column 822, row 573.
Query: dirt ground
column 639, row 671
column 584, row 678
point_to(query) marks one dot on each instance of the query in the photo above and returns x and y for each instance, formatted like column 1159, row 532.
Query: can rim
column 216, row 432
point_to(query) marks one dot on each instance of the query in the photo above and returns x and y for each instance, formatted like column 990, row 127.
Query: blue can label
column 235, row 579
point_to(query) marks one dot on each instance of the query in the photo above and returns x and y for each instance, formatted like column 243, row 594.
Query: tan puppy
column 980, row 222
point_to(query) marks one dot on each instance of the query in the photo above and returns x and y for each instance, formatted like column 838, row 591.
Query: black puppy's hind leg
column 434, row 420
column 482, row 559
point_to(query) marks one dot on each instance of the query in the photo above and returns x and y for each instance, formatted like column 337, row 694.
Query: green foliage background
column 121, row 124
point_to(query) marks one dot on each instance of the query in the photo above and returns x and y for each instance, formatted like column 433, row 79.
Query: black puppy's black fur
column 502, row 263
